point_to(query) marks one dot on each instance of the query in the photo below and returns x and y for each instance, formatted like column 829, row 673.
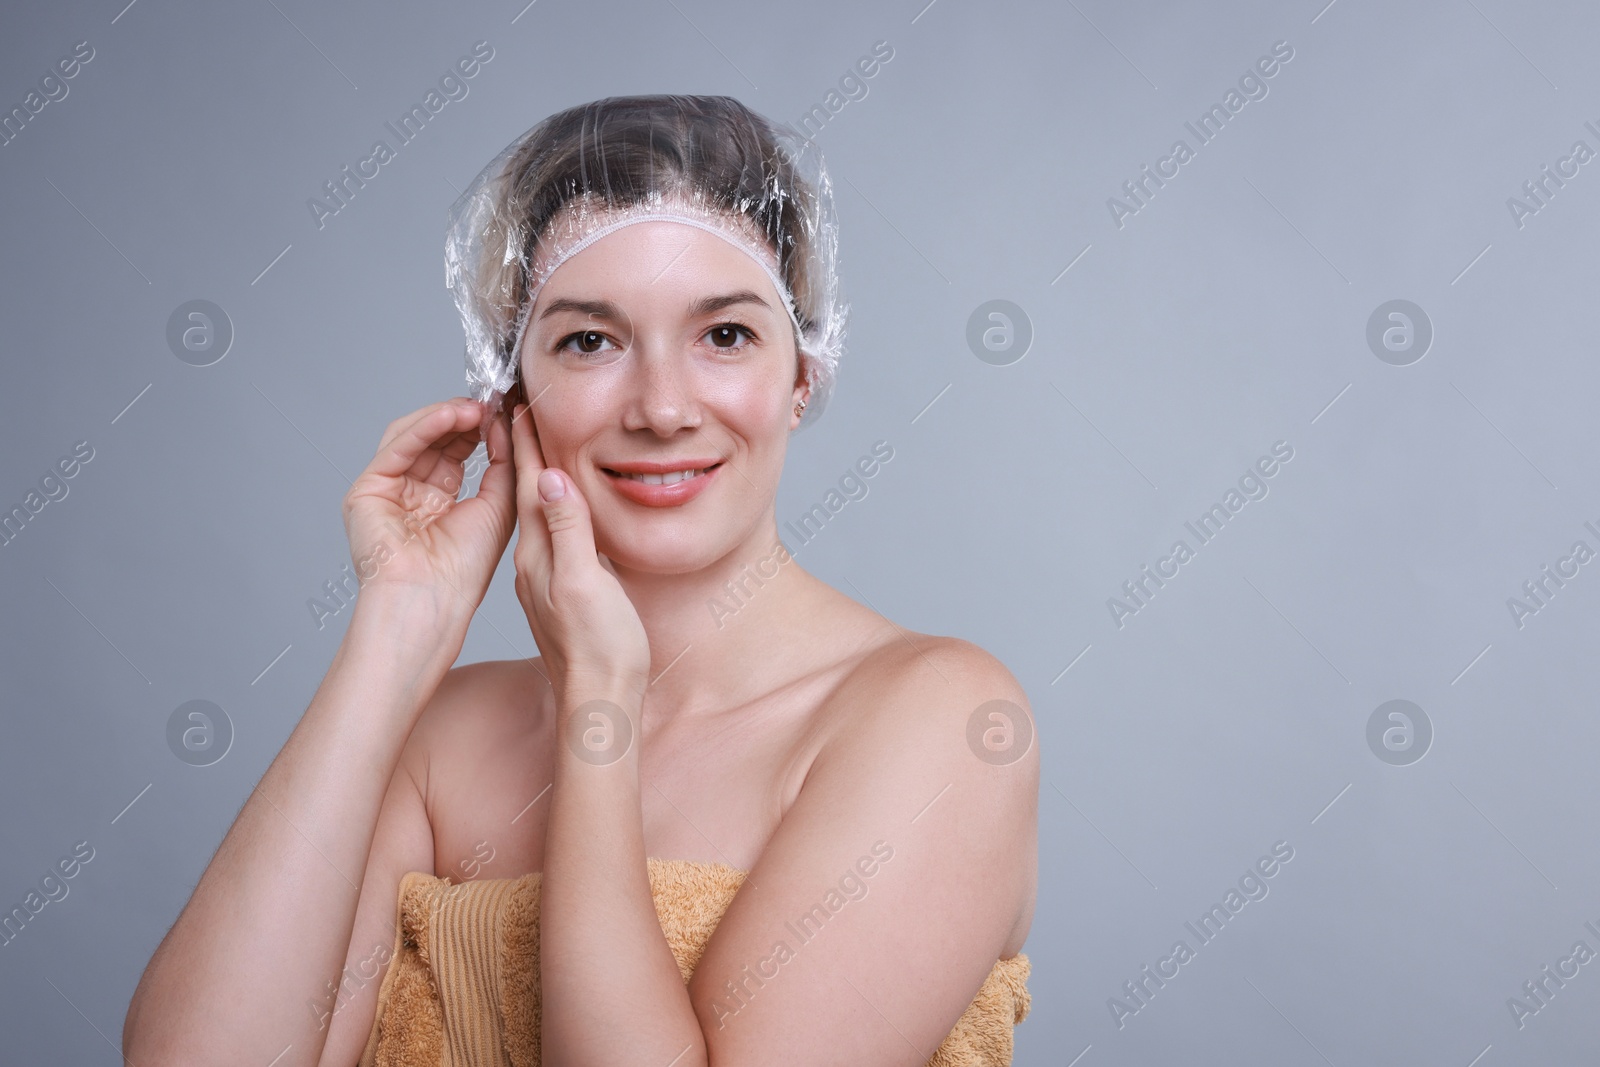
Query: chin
column 662, row 547
column 659, row 559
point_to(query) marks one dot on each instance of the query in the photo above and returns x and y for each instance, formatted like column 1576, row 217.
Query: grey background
column 1229, row 313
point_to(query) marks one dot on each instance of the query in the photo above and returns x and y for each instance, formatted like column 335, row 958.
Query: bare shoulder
column 923, row 702
column 920, row 674
column 478, row 708
column 481, row 696
column 931, row 720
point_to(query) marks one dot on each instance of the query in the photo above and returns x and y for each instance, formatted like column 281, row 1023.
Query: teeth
column 669, row 478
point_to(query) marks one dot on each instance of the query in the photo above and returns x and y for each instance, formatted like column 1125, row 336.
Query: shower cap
column 702, row 161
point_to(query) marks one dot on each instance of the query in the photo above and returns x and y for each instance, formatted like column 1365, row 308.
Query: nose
column 665, row 397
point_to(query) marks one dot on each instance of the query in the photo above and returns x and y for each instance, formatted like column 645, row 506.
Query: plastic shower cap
column 703, row 161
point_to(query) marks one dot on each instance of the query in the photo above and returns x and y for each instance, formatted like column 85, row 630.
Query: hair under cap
column 703, row 161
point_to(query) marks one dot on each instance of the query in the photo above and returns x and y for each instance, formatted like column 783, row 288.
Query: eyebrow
column 708, row 305
column 605, row 310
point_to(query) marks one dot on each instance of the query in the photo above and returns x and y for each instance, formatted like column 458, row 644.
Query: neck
column 716, row 633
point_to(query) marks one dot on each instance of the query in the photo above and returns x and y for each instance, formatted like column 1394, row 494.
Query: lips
column 662, row 484
column 668, row 478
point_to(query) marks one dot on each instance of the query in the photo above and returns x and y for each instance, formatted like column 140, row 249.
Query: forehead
column 666, row 265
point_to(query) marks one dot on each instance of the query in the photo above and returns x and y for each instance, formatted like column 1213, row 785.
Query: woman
column 712, row 740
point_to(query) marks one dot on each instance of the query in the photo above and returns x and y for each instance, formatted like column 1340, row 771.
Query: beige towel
column 462, row 986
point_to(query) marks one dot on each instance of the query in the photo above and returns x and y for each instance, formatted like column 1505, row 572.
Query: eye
column 723, row 334
column 588, row 341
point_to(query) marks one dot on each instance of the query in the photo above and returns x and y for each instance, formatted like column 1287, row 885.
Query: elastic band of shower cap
column 599, row 221
column 781, row 214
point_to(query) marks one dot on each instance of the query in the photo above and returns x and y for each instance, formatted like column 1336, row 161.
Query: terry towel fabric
column 462, row 989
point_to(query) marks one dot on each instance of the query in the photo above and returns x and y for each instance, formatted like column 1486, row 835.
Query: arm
column 874, row 915
column 890, row 888
column 270, row 923
column 403, row 841
column 610, row 987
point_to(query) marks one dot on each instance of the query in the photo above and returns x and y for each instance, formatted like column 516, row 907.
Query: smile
column 670, row 478
column 661, row 488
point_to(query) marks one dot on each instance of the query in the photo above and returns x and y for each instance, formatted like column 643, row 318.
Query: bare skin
column 714, row 793
column 782, row 742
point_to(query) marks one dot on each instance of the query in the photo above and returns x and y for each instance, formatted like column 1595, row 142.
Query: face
column 663, row 344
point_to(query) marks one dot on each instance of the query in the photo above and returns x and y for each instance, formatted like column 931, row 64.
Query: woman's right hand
column 411, row 541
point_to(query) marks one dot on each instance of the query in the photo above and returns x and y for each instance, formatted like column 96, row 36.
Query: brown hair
column 621, row 150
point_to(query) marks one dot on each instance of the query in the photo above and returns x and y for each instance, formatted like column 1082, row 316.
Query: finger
column 398, row 426
column 444, row 465
column 533, row 431
column 499, row 482
column 435, row 421
column 532, row 553
column 526, row 461
column 566, row 516
column 411, row 443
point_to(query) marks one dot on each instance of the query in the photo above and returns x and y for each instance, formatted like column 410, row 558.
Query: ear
column 802, row 390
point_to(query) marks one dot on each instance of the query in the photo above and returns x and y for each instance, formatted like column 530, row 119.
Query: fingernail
column 551, row 487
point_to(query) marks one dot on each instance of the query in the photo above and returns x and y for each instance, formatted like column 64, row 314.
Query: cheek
column 756, row 404
column 761, row 412
column 562, row 435
column 570, row 407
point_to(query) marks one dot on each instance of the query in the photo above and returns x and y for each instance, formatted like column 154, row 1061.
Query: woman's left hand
column 587, row 629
